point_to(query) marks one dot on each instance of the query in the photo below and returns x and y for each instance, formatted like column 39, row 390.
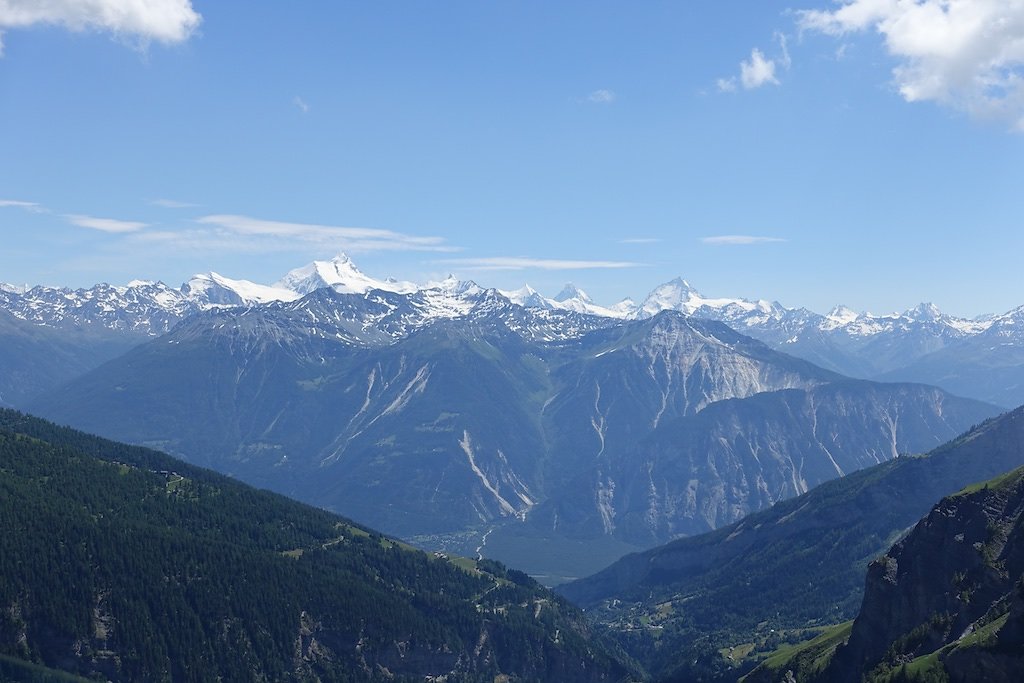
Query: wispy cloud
column 166, row 21
column 209, row 241
column 731, row 240
column 726, row 84
column 27, row 206
column 104, row 224
column 301, row 104
column 965, row 55
column 173, row 204
column 336, row 237
column 784, row 59
column 602, row 96
column 640, row 240
column 520, row 263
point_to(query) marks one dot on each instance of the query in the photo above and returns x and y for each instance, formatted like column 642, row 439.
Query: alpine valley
column 554, row 434
column 711, row 607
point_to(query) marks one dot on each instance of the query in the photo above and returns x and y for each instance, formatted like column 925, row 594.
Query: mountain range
column 977, row 358
column 452, row 416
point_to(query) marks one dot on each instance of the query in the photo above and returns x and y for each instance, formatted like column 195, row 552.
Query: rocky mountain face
column 123, row 564
column 947, row 598
column 921, row 344
column 798, row 565
column 450, row 412
column 700, row 472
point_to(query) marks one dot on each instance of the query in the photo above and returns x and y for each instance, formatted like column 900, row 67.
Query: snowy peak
column 675, row 295
column 453, row 286
column 625, row 308
column 148, row 308
column 924, row 311
column 679, row 295
column 841, row 315
column 13, row 289
column 216, row 290
column 572, row 298
column 1009, row 324
column 573, row 293
column 842, row 320
column 527, row 297
column 341, row 274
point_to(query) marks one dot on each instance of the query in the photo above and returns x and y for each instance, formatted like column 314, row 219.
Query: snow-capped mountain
column 528, row 297
column 571, row 298
column 215, row 289
column 987, row 363
column 153, row 307
column 341, row 274
column 680, row 295
column 852, row 343
column 141, row 307
column 857, row 344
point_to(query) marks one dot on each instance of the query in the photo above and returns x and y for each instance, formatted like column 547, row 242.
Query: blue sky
column 868, row 153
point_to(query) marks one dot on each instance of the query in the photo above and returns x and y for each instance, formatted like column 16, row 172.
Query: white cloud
column 726, row 84
column 210, row 241
column 104, row 224
column 301, row 104
column 732, row 240
column 27, row 206
column 640, row 240
column 165, row 21
column 172, row 204
column 965, row 54
column 335, row 237
column 517, row 263
column 601, row 96
column 757, row 71
column 784, row 59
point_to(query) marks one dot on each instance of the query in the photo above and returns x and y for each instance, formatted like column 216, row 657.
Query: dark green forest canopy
column 122, row 562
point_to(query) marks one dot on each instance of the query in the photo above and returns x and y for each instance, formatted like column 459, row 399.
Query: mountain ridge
column 909, row 346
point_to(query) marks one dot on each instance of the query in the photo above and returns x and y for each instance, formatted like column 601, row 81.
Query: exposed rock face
column 704, row 471
column 954, row 579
